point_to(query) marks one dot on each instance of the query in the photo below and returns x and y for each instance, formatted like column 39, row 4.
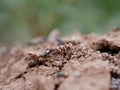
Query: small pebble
column 60, row 74
column 76, row 74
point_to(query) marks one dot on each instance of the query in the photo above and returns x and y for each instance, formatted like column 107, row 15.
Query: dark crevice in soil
column 20, row 75
column 106, row 49
column 15, row 78
column 35, row 63
column 115, row 75
column 60, row 67
column 56, row 86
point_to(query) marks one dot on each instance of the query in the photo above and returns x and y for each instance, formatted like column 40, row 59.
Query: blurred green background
column 21, row 20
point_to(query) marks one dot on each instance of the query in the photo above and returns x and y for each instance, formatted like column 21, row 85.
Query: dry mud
column 73, row 62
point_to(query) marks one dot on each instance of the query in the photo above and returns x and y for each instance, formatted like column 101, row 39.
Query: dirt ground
column 72, row 62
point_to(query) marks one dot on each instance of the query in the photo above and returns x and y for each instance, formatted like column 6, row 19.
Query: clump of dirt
column 74, row 62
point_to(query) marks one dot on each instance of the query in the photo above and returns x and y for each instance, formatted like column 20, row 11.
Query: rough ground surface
column 73, row 62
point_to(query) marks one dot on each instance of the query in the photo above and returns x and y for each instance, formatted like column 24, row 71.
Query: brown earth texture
column 73, row 62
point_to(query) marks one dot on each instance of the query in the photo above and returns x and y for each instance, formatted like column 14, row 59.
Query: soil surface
column 73, row 62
